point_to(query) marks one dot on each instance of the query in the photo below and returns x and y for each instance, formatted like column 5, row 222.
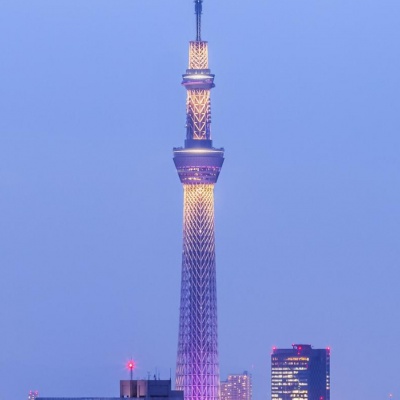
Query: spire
column 198, row 8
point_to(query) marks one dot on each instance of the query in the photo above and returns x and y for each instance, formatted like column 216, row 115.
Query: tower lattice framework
column 198, row 164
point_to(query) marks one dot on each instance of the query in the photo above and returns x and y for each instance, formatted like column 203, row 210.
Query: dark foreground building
column 141, row 389
column 149, row 389
column 300, row 373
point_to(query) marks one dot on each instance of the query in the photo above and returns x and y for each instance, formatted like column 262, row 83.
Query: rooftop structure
column 149, row 389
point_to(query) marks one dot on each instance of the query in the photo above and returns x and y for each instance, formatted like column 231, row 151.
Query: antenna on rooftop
column 131, row 366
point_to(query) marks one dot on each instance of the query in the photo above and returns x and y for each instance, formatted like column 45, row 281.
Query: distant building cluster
column 297, row 373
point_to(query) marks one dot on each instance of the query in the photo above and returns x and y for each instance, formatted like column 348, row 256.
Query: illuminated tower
column 198, row 164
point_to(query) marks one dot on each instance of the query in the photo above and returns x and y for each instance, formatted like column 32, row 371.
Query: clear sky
column 307, row 205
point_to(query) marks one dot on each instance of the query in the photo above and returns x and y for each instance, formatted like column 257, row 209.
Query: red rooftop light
column 131, row 365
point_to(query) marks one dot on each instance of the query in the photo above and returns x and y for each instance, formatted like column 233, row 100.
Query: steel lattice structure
column 198, row 164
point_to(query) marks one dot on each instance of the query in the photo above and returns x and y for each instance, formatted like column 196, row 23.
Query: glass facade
column 300, row 373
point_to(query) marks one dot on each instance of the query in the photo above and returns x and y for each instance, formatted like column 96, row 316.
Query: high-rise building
column 237, row 387
column 198, row 164
column 300, row 373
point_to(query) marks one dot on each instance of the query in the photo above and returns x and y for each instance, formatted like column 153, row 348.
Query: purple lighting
column 198, row 164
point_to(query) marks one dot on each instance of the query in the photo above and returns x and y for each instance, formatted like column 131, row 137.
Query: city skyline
column 307, row 212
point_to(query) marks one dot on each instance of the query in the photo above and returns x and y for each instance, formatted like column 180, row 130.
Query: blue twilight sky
column 307, row 206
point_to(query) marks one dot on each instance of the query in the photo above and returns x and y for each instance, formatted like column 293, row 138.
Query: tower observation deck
column 198, row 164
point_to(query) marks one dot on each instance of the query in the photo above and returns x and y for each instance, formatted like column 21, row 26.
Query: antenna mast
column 198, row 10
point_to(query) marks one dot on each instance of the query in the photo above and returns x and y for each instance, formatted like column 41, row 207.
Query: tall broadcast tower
column 198, row 164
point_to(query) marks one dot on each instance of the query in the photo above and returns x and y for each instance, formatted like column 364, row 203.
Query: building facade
column 300, row 373
column 198, row 164
column 237, row 387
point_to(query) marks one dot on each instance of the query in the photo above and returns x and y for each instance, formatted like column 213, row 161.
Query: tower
column 300, row 373
column 198, row 164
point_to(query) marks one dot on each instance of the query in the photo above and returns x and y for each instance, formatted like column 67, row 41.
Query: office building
column 300, row 373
